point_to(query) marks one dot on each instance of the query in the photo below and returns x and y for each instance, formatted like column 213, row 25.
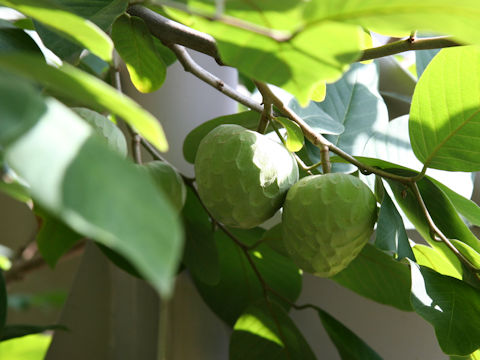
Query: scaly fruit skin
column 327, row 220
column 167, row 179
column 242, row 176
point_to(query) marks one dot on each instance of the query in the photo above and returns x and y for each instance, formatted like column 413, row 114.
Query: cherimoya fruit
column 327, row 220
column 242, row 176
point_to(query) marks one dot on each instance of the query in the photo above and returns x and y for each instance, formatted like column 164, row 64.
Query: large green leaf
column 430, row 257
column 400, row 17
column 265, row 332
column 73, row 27
column 294, row 64
column 247, row 119
column 100, row 12
column 451, row 306
column 379, row 277
column 32, row 347
column 75, row 176
column 54, row 238
column 134, row 43
column 200, row 255
column 239, row 286
column 444, row 118
column 78, row 85
column 391, row 235
column 354, row 102
column 14, row 39
column 348, row 344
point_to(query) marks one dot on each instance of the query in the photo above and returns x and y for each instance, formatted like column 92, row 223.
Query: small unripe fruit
column 169, row 181
column 242, row 176
column 327, row 220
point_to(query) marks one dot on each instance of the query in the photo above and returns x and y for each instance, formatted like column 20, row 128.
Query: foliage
column 63, row 148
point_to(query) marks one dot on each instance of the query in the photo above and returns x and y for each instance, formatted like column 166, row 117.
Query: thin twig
column 435, row 231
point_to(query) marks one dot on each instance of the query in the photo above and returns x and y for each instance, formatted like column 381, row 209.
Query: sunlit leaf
column 445, row 114
column 73, row 27
column 134, row 43
column 434, row 259
column 32, row 347
column 79, row 86
column 265, row 332
column 295, row 138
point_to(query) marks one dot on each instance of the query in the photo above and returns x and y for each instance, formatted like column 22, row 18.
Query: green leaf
column 54, row 238
column 15, row 331
column 466, row 207
column 451, row 306
column 468, row 252
column 435, row 260
column 318, row 119
column 247, row 119
column 391, row 235
column 239, row 286
column 73, row 27
column 273, row 238
column 295, row 139
column 379, row 277
column 294, row 65
column 13, row 39
column 100, row 207
column 3, row 303
column 473, row 356
column 32, row 347
column 444, row 116
column 400, row 17
column 100, row 12
column 78, row 85
column 263, row 332
column 134, row 43
column 354, row 102
column 105, row 128
column 200, row 254
column 348, row 344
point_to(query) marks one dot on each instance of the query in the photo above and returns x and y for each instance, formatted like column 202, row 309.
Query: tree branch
column 170, row 31
column 408, row 44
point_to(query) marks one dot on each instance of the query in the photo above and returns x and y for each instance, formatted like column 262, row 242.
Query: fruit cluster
column 244, row 178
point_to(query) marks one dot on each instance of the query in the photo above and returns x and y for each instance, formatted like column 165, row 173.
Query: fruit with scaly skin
column 242, row 176
column 327, row 220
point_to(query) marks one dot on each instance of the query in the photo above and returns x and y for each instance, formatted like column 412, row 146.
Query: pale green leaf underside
column 58, row 156
column 80, row 86
column 135, row 45
column 445, row 114
column 79, row 30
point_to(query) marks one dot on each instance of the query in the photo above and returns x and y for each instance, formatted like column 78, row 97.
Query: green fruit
column 169, row 181
column 327, row 220
column 242, row 176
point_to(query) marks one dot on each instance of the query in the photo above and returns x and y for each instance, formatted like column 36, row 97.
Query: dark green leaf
column 68, row 24
column 349, row 345
column 391, row 235
column 134, row 43
column 265, row 332
column 451, row 306
column 247, row 119
column 100, row 12
column 54, row 238
column 273, row 238
column 466, row 207
column 101, row 207
column 15, row 331
column 105, row 128
column 200, row 254
column 13, row 39
column 379, row 277
column 444, row 117
column 93, row 92
column 473, row 356
column 239, row 286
